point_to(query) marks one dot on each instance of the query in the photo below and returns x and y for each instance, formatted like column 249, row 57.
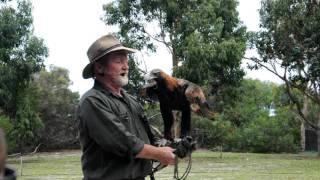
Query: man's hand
column 168, row 157
column 164, row 155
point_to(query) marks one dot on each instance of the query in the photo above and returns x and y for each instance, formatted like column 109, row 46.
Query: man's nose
column 125, row 65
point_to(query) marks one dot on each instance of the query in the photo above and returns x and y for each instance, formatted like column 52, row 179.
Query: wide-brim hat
column 101, row 47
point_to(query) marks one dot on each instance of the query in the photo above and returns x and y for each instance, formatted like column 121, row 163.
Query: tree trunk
column 303, row 128
column 303, row 137
column 174, row 59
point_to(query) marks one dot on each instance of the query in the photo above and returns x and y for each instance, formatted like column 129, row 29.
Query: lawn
column 206, row 165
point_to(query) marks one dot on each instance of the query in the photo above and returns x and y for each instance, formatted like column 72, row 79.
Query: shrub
column 5, row 123
column 265, row 134
column 210, row 133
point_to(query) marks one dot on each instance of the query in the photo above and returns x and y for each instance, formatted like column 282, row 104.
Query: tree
column 27, row 123
column 254, row 127
column 21, row 55
column 204, row 35
column 56, row 108
column 135, row 77
column 289, row 39
column 249, row 107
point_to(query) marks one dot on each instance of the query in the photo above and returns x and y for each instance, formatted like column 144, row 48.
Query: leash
column 155, row 169
column 176, row 169
column 184, row 148
column 187, row 171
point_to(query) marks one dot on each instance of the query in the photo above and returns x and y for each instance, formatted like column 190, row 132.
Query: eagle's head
column 151, row 85
column 153, row 76
column 157, row 78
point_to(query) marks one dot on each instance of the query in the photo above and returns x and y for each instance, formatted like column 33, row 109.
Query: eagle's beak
column 151, row 83
column 149, row 77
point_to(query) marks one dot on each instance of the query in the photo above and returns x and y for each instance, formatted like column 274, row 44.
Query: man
column 113, row 139
column 5, row 173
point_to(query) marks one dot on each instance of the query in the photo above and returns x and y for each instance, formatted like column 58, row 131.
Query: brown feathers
column 175, row 94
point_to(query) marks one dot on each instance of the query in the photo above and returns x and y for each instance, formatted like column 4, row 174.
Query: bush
column 7, row 127
column 5, row 123
column 210, row 133
column 265, row 134
column 152, row 111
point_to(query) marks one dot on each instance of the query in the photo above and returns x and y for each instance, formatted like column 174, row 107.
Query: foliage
column 7, row 126
column 5, row 123
column 27, row 124
column 210, row 134
column 135, row 77
column 56, row 108
column 205, row 36
column 248, row 125
column 255, row 129
column 256, row 98
column 266, row 134
column 21, row 55
column 289, row 39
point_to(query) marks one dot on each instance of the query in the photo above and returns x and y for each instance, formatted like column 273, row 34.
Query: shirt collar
column 98, row 86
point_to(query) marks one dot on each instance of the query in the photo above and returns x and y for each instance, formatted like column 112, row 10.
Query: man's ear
column 99, row 68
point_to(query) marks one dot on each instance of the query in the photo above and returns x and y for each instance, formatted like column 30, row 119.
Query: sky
column 68, row 28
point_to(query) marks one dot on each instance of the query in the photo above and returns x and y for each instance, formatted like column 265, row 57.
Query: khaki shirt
column 111, row 135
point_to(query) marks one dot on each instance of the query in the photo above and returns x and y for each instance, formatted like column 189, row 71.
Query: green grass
column 206, row 165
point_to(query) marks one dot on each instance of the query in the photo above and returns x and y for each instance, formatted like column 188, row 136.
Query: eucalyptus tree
column 21, row 55
column 56, row 107
column 289, row 46
column 205, row 36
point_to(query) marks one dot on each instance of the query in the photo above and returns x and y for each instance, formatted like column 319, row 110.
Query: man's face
column 117, row 68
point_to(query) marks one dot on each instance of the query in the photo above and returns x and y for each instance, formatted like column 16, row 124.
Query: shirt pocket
column 125, row 119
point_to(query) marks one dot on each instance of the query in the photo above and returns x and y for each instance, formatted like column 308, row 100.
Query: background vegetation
column 207, row 42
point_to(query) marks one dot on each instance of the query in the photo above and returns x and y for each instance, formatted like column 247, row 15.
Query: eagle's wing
column 193, row 92
column 196, row 97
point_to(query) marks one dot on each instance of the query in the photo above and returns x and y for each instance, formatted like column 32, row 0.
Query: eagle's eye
column 157, row 73
column 155, row 87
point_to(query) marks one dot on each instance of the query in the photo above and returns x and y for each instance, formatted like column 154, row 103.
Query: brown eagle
column 175, row 94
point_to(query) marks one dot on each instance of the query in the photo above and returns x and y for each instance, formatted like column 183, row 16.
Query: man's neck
column 113, row 88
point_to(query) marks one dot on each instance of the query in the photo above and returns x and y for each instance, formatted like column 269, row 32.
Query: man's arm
column 164, row 155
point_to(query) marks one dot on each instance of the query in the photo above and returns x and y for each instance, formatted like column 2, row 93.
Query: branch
column 153, row 116
column 289, row 86
column 256, row 60
column 14, row 155
column 20, row 154
column 36, row 149
column 308, row 93
column 158, row 40
column 284, row 78
column 298, row 107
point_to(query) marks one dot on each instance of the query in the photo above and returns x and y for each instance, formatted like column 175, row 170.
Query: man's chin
column 122, row 81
